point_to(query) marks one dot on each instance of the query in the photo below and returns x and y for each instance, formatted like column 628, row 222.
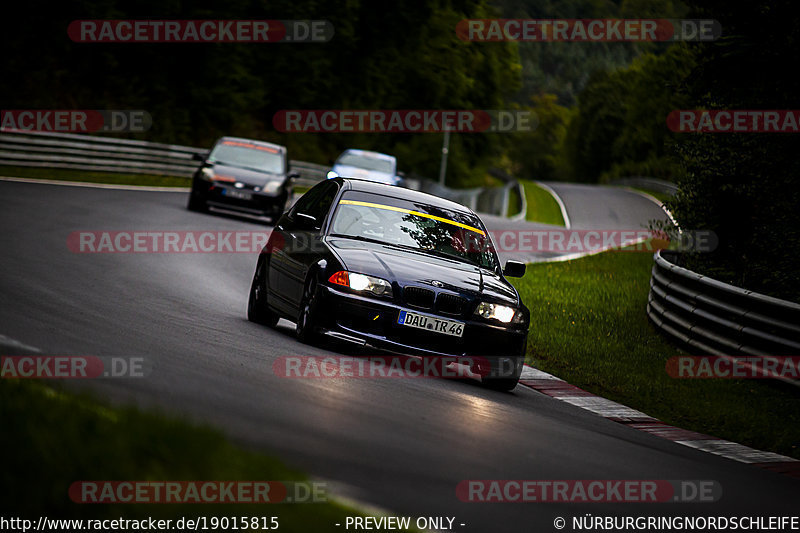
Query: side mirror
column 293, row 175
column 514, row 269
column 199, row 157
column 307, row 221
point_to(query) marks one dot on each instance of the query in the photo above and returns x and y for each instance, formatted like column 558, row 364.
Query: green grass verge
column 57, row 438
column 94, row 177
column 542, row 207
column 589, row 327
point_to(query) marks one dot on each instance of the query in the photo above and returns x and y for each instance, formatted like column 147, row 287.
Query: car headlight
column 503, row 313
column 272, row 187
column 332, row 174
column 207, row 173
column 362, row 283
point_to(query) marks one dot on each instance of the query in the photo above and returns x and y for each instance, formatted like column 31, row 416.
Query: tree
column 745, row 186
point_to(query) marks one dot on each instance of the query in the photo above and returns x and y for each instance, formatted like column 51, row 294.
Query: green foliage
column 564, row 68
column 382, row 56
column 540, row 154
column 620, row 126
column 745, row 186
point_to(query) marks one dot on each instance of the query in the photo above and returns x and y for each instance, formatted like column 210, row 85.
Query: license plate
column 429, row 323
column 239, row 195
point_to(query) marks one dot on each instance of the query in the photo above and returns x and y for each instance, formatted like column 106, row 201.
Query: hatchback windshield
column 247, row 155
column 438, row 231
column 367, row 163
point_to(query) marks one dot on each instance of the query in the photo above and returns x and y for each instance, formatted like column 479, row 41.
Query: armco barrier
column 102, row 154
column 719, row 319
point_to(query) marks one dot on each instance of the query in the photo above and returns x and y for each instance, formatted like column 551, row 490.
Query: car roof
column 253, row 141
column 367, row 153
column 394, row 191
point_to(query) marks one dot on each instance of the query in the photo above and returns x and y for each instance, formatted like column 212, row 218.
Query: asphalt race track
column 402, row 445
column 609, row 208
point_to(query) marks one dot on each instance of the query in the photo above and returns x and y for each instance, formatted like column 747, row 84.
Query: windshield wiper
column 358, row 238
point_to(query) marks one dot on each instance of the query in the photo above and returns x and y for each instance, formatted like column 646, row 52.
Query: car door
column 308, row 237
column 302, row 234
column 283, row 255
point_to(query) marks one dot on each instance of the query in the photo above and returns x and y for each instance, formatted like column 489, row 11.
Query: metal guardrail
column 519, row 190
column 467, row 197
column 84, row 152
column 510, row 189
column 490, row 200
column 720, row 319
column 102, row 154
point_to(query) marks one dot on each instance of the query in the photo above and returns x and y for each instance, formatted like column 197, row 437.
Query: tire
column 196, row 203
column 257, row 309
column 196, row 200
column 306, row 322
column 502, row 376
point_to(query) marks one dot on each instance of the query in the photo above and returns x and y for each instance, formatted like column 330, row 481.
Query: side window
column 317, row 201
column 305, row 202
column 323, row 204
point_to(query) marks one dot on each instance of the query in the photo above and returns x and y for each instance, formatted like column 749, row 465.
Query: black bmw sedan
column 242, row 175
column 394, row 269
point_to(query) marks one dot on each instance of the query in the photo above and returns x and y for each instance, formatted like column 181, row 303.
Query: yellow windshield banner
column 415, row 213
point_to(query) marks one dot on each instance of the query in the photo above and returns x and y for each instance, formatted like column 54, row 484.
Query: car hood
column 246, row 176
column 347, row 171
column 408, row 267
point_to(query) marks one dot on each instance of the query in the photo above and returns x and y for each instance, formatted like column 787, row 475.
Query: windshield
column 367, row 163
column 434, row 230
column 247, row 155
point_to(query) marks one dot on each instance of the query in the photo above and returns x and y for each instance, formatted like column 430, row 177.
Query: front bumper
column 375, row 322
column 222, row 196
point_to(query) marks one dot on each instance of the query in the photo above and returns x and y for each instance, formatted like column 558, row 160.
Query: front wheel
column 504, row 373
column 196, row 203
column 257, row 309
column 306, row 321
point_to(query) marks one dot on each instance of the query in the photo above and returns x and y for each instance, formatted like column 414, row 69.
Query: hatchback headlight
column 332, row 174
column 207, row 173
column 271, row 187
column 503, row 313
column 362, row 283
